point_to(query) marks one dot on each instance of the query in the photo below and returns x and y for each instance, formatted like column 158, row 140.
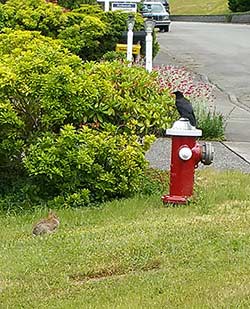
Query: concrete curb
column 227, row 18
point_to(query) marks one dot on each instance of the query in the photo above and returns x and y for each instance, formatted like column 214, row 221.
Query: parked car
column 158, row 13
column 164, row 2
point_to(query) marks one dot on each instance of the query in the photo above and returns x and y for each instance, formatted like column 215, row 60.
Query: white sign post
column 106, row 5
column 130, row 23
column 130, row 45
column 149, row 46
column 124, row 7
column 149, row 27
column 107, row 2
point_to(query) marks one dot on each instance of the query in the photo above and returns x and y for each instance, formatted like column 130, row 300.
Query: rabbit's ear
column 51, row 213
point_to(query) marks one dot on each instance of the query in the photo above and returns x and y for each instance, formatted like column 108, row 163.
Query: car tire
column 166, row 28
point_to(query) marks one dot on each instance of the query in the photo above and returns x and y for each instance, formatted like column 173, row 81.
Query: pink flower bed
column 179, row 78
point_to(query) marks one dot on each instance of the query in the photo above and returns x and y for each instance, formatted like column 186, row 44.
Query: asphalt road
column 219, row 53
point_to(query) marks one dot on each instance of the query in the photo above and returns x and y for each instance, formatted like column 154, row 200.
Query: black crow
column 184, row 108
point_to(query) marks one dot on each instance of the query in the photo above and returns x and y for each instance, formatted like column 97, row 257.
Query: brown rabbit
column 46, row 226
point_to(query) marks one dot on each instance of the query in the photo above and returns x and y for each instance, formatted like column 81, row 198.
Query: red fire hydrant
column 185, row 157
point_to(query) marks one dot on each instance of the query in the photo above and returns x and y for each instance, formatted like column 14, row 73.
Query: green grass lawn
column 196, row 7
column 135, row 253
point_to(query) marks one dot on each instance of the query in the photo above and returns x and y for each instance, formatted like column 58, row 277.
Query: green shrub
column 239, row 5
column 106, row 31
column 33, row 15
column 19, row 194
column 113, row 55
column 83, row 39
column 155, row 182
column 243, row 5
column 132, row 99
column 11, row 128
column 32, row 65
column 103, row 165
column 73, row 4
column 104, row 109
column 232, row 5
column 211, row 122
column 88, row 31
column 48, row 88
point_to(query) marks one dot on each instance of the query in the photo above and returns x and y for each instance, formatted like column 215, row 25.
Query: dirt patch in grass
column 113, row 272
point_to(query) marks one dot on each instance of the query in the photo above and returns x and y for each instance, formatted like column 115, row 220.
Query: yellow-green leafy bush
column 47, row 92
column 88, row 31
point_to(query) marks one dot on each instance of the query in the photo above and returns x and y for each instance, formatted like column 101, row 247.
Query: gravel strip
column 159, row 157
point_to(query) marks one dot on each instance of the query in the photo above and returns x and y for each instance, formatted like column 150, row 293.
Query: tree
column 243, row 5
column 232, row 4
column 239, row 5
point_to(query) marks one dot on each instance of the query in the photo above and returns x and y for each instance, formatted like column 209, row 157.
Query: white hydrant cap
column 185, row 153
column 182, row 127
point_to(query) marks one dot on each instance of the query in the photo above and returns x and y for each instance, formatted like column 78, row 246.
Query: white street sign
column 126, row 7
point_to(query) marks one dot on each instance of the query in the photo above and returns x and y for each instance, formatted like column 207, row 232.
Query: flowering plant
column 199, row 93
column 179, row 78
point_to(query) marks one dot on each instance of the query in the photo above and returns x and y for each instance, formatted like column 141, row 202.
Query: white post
column 130, row 24
column 149, row 54
column 106, row 5
column 130, row 45
column 149, row 28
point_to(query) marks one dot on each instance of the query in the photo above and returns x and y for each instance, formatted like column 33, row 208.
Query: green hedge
column 88, row 31
column 57, row 112
column 96, row 165
column 74, row 4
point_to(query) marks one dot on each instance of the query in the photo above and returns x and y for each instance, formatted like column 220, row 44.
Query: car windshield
column 154, row 7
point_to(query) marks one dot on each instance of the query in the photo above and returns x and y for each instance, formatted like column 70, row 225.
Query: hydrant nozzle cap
column 182, row 127
column 185, row 153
